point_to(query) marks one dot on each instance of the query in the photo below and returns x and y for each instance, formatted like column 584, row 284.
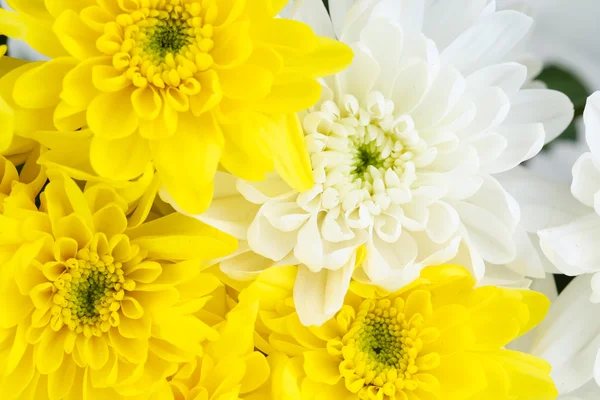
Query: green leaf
column 326, row 4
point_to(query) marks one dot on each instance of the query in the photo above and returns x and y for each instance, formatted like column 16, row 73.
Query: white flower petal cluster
column 573, row 247
column 405, row 147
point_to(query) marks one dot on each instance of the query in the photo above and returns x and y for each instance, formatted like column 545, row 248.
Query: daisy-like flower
column 404, row 147
column 228, row 368
column 439, row 338
column 93, row 307
column 571, row 246
column 182, row 84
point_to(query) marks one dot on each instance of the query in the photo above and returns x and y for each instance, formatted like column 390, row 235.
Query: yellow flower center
column 165, row 42
column 88, row 293
column 380, row 349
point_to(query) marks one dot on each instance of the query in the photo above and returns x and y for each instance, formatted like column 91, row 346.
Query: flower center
column 364, row 154
column 88, row 294
column 164, row 43
column 380, row 349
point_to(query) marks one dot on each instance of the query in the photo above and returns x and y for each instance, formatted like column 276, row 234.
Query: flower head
column 93, row 305
column 188, row 84
column 405, row 146
column 439, row 338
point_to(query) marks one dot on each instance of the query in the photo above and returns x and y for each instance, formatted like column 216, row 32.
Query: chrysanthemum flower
column 228, row 368
column 438, row 339
column 404, row 147
column 92, row 307
column 184, row 84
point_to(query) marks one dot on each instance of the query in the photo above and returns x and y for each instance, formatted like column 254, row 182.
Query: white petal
column 591, row 117
column 246, row 265
column 338, row 10
column 573, row 248
column 551, row 108
column 355, row 18
column 309, row 246
column 285, row 216
column 319, row 295
column 488, row 41
column 442, row 223
column 419, row 68
column 489, row 220
column 384, row 258
column 439, row 101
column 446, row 20
column 523, row 142
column 568, row 337
column 468, row 256
column 492, row 106
column 388, row 50
column 266, row 240
column 527, row 261
column 262, row 191
column 509, row 77
column 586, row 179
column 543, row 203
column 411, row 15
column 388, row 227
column 314, row 13
column 360, row 77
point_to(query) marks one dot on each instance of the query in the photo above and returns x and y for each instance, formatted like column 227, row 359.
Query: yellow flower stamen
column 88, row 293
column 163, row 44
column 381, row 348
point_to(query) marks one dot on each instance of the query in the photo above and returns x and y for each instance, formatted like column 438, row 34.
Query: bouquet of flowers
column 290, row 200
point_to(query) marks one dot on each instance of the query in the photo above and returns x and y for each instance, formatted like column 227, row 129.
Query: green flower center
column 382, row 341
column 169, row 36
column 380, row 350
column 88, row 293
column 366, row 155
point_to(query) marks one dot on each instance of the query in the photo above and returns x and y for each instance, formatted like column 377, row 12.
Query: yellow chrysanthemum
column 228, row 368
column 184, row 84
column 92, row 307
column 438, row 339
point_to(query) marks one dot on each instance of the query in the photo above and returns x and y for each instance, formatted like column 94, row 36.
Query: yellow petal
column 291, row 158
column 322, row 367
column 257, row 372
column 107, row 78
column 76, row 36
column 247, row 152
column 290, row 97
column 210, row 95
column 78, row 87
column 146, row 102
column 285, row 35
column 28, row 92
column 177, row 237
column 123, row 120
column 186, row 162
column 248, row 82
column 330, row 57
column 120, row 159
column 233, row 46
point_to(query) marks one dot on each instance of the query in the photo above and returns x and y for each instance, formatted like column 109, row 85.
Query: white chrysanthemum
column 404, row 146
column 573, row 247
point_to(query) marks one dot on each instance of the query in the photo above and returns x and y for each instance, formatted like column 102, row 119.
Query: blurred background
column 565, row 37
